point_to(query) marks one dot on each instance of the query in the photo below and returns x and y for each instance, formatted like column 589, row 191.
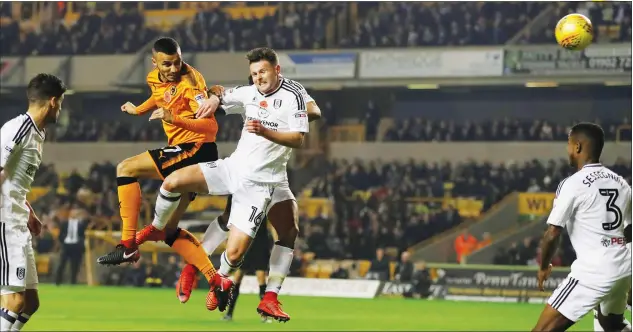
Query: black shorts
column 258, row 254
column 170, row 158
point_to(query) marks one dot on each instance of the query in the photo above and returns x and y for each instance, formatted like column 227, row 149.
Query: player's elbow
column 298, row 141
column 314, row 112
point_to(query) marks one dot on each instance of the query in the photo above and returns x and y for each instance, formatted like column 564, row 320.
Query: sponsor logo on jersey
column 301, row 115
column 31, row 169
column 263, row 113
column 277, row 103
column 268, row 124
column 613, row 241
column 199, row 98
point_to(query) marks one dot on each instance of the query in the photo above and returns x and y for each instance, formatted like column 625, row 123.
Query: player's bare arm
column 314, row 112
column 34, row 224
column 289, row 139
column 549, row 244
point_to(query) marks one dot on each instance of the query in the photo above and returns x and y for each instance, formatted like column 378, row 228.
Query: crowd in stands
column 124, row 30
column 419, row 129
column 406, row 130
column 611, row 22
column 411, row 24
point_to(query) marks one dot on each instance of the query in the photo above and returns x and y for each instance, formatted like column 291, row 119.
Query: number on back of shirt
column 612, row 195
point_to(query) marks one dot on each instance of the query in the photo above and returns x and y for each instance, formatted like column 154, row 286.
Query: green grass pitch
column 143, row 309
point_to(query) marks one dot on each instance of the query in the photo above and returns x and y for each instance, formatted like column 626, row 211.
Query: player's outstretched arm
column 143, row 108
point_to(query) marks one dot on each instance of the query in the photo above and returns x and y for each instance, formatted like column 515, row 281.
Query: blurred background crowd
column 375, row 209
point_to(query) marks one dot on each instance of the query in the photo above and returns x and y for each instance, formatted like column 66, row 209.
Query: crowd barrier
column 481, row 283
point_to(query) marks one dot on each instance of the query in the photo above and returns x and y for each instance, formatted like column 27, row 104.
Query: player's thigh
column 172, row 158
column 14, row 249
column 31, row 278
column 141, row 166
column 249, row 205
column 31, row 301
column 615, row 302
column 190, row 179
column 574, row 298
column 283, row 212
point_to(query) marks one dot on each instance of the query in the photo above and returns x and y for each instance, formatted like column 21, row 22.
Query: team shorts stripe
column 562, row 296
column 4, row 256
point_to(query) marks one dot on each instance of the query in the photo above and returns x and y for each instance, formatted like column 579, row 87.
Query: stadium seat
column 312, row 271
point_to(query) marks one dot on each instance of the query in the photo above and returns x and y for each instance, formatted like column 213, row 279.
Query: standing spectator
column 379, row 269
column 71, row 236
column 464, row 245
column 404, row 269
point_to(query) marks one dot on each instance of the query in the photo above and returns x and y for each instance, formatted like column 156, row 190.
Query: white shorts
column 18, row 271
column 251, row 200
column 574, row 298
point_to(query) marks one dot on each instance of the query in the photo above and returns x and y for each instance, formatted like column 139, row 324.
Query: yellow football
column 574, row 32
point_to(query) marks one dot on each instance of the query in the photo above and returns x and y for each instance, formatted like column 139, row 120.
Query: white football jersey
column 595, row 206
column 283, row 110
column 20, row 158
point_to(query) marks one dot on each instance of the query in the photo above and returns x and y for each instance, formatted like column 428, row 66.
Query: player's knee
column 234, row 255
column 288, row 237
column 14, row 302
column 32, row 305
column 126, row 168
column 172, row 183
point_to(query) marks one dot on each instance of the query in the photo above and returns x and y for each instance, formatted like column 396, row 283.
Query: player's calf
column 31, row 304
column 12, row 305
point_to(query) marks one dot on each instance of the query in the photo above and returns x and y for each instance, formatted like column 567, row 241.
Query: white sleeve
column 564, row 204
column 304, row 92
column 11, row 135
column 236, row 96
column 298, row 115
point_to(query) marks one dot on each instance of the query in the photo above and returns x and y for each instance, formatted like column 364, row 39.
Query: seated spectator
column 339, row 272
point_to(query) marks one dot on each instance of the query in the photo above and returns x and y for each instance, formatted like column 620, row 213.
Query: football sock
column 19, row 323
column 227, row 268
column 129, row 192
column 189, row 248
column 166, row 203
column 596, row 324
column 236, row 293
column 262, row 291
column 598, row 328
column 214, row 236
column 7, row 319
column 280, row 261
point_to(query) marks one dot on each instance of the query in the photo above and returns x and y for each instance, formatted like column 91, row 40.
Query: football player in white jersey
column 22, row 139
column 276, row 120
column 594, row 204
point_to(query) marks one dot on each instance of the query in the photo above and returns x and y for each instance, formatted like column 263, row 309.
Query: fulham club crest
column 277, row 103
column 20, row 273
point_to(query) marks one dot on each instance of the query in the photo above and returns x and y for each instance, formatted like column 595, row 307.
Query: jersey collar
column 281, row 82
column 35, row 126
column 593, row 165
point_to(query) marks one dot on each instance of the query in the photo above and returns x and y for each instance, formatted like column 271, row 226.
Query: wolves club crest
column 277, row 103
column 20, row 273
column 170, row 93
